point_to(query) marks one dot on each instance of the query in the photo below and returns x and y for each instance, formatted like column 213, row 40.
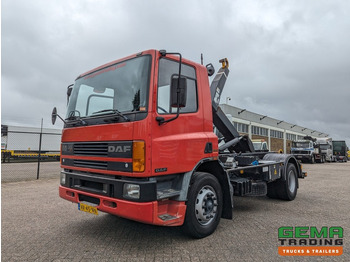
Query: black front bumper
column 110, row 186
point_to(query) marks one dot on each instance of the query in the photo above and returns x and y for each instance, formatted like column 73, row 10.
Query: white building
column 278, row 133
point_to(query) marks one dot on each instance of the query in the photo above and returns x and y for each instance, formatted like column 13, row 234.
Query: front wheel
column 204, row 205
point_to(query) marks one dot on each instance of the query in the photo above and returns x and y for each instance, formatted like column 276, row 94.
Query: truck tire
column 312, row 160
column 284, row 189
column 272, row 189
column 204, row 205
column 290, row 187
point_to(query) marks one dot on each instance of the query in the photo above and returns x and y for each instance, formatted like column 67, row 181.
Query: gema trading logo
column 310, row 241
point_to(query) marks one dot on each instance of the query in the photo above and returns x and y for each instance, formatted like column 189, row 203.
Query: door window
column 168, row 68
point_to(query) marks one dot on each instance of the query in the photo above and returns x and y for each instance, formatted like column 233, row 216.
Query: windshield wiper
column 112, row 111
column 72, row 116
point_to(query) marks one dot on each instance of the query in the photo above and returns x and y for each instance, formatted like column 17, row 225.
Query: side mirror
column 210, row 69
column 54, row 115
column 178, row 91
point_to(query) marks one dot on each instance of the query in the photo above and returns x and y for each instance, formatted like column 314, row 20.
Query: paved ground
column 39, row 226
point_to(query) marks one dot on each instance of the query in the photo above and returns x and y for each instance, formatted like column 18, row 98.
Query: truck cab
column 260, row 145
column 340, row 151
column 303, row 150
column 326, row 148
column 114, row 129
column 308, row 150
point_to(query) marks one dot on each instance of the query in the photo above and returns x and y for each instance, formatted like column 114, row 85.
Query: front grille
column 91, row 164
column 108, row 152
column 91, row 149
column 102, row 165
column 301, row 152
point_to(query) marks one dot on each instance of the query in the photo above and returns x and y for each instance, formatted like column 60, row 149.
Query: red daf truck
column 138, row 143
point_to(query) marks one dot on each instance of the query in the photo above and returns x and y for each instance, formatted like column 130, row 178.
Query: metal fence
column 29, row 154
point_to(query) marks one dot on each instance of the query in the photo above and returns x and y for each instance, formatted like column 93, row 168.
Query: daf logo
column 119, row 149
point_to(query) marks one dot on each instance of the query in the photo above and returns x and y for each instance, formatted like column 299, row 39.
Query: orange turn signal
column 138, row 156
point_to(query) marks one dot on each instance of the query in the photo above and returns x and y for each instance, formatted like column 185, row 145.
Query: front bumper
column 303, row 157
column 109, row 186
column 341, row 158
column 106, row 193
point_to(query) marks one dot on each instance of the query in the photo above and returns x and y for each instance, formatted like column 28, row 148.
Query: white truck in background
column 325, row 146
column 307, row 150
column 260, row 145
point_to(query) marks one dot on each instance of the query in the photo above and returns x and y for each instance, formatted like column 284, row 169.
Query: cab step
column 167, row 193
column 167, row 217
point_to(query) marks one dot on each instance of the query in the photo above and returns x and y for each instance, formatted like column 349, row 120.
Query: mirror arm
column 161, row 120
column 61, row 119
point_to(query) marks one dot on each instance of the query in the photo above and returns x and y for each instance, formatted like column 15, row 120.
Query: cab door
column 177, row 145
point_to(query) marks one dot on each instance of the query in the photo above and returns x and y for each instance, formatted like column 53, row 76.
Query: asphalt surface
column 37, row 225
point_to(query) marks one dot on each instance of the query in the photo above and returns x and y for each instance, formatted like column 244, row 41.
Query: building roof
column 248, row 117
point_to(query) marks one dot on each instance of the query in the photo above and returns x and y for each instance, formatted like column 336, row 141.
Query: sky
column 289, row 60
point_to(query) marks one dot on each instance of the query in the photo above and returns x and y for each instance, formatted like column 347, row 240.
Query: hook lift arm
column 222, row 123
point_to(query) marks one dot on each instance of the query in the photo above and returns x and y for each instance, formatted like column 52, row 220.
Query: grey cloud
column 287, row 58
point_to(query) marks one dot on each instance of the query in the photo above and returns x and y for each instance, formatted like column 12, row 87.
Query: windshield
column 257, row 145
column 339, row 146
column 302, row 145
column 325, row 146
column 120, row 88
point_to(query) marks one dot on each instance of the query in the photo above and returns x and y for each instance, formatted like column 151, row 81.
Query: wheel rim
column 206, row 205
column 292, row 183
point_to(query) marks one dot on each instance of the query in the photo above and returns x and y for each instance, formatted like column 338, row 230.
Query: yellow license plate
column 87, row 208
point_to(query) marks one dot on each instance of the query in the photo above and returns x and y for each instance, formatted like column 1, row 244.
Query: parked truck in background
column 340, row 151
column 326, row 148
column 138, row 142
column 307, row 150
column 260, row 145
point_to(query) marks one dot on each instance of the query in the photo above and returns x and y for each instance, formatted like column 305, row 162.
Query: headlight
column 63, row 178
column 67, row 149
column 131, row 191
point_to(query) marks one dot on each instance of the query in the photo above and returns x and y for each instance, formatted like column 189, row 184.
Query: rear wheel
column 285, row 189
column 312, row 160
column 204, row 205
column 291, row 188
